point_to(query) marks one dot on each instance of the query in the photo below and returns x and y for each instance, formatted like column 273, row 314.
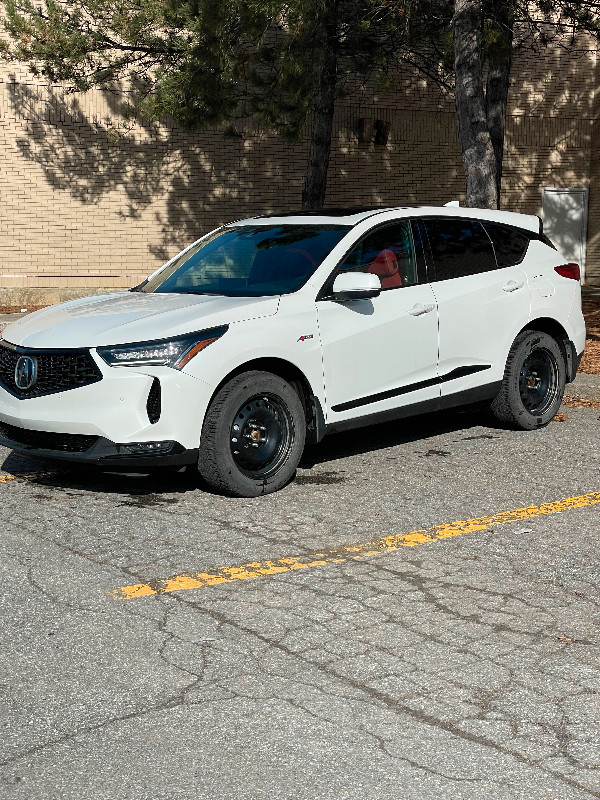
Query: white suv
column 276, row 330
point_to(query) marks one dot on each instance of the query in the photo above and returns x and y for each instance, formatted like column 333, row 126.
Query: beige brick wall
column 87, row 202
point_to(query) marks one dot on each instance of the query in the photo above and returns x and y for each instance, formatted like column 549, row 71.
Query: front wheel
column 533, row 384
column 253, row 435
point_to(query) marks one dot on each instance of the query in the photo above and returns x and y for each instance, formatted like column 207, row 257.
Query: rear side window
column 460, row 247
column 510, row 244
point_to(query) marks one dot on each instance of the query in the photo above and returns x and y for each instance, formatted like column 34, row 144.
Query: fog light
column 145, row 448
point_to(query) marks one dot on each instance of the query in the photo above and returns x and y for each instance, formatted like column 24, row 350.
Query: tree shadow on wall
column 85, row 146
column 549, row 129
column 182, row 184
column 188, row 181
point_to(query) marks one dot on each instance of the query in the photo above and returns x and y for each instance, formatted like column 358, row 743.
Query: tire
column 253, row 436
column 533, row 383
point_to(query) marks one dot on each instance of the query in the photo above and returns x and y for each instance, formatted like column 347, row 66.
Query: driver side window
column 387, row 252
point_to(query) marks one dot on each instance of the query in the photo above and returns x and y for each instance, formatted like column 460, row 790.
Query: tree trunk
column 498, row 80
column 315, row 185
column 473, row 134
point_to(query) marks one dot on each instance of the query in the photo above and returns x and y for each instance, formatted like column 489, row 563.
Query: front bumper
column 102, row 452
column 108, row 423
column 112, row 413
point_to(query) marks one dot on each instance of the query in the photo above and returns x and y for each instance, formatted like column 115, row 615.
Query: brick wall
column 88, row 202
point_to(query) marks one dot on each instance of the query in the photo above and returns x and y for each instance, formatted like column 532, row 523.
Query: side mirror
column 355, row 286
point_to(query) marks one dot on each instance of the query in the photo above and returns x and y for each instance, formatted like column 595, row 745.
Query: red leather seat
column 386, row 267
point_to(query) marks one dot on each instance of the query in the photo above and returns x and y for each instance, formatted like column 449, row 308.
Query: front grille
column 57, row 370
column 45, row 440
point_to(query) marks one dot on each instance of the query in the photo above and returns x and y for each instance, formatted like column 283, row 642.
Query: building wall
column 88, row 201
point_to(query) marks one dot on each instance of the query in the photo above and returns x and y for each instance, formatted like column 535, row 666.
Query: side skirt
column 477, row 395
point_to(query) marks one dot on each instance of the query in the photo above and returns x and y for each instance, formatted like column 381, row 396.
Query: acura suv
column 276, row 330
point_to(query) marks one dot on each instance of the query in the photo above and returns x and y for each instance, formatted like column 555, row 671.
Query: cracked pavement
column 461, row 668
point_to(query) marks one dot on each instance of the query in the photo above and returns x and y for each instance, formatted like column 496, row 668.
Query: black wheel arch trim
column 572, row 358
column 290, row 372
column 316, row 426
column 554, row 328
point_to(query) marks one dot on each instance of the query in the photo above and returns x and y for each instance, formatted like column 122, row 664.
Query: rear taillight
column 569, row 271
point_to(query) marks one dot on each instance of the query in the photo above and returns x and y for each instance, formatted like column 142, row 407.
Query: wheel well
column 559, row 334
column 297, row 380
column 549, row 326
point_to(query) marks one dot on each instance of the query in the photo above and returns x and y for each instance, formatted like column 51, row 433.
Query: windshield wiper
column 139, row 287
column 204, row 294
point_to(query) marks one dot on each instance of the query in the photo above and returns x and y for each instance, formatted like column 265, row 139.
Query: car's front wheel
column 533, row 384
column 253, row 435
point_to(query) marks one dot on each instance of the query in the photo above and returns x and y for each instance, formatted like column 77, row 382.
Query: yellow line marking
column 387, row 544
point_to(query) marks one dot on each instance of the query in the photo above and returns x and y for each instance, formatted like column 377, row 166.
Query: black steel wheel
column 261, row 434
column 539, row 380
column 534, row 382
column 253, row 435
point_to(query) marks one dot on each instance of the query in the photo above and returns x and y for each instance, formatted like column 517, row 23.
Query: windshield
column 249, row 261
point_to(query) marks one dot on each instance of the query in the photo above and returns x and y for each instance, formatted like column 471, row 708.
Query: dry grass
column 590, row 363
column 579, row 402
column 18, row 309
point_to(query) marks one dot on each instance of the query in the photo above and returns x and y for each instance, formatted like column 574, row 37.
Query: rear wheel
column 253, row 435
column 533, row 383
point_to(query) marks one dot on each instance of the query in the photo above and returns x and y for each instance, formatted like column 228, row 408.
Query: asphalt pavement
column 345, row 639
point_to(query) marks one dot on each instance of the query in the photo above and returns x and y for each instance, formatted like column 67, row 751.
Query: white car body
column 419, row 347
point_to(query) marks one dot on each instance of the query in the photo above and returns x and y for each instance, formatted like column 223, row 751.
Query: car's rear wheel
column 253, row 435
column 533, row 384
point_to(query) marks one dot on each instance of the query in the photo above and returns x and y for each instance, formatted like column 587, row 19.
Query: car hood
column 126, row 317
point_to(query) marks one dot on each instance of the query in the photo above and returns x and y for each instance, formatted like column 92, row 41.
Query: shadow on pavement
column 381, row 437
column 167, row 480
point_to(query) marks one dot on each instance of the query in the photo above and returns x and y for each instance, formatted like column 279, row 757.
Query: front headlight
column 175, row 352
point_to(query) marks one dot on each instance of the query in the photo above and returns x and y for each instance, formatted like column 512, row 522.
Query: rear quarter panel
column 552, row 295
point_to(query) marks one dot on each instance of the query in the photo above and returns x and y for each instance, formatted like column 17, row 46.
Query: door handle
column 512, row 286
column 419, row 309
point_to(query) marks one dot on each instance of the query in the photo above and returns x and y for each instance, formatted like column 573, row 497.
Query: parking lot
column 339, row 639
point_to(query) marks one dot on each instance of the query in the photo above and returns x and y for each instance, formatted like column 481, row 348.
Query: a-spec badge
column 26, row 370
column 304, row 338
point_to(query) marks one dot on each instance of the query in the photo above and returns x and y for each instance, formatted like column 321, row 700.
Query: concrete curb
column 28, row 298
column 590, row 292
column 6, row 319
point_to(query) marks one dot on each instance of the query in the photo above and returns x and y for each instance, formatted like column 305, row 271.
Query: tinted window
column 387, row 252
column 460, row 247
column 510, row 244
column 249, row 261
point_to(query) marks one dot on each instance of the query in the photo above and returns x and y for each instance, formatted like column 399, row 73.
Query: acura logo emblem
column 26, row 372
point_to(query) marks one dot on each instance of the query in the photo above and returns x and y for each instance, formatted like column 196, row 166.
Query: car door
column 380, row 353
column 482, row 304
